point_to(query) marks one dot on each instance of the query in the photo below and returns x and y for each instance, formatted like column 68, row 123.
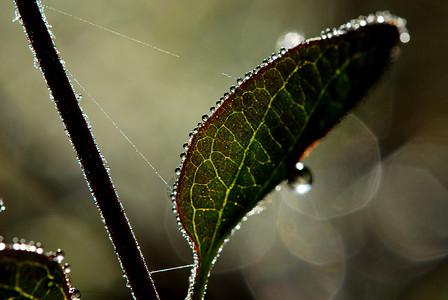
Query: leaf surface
column 253, row 140
column 29, row 274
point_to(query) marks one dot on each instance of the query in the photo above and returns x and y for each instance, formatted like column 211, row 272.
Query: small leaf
column 251, row 143
column 26, row 272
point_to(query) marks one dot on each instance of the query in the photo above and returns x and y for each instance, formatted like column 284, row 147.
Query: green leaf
column 28, row 273
column 253, row 140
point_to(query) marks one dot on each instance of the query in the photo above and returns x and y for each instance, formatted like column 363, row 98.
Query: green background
column 371, row 251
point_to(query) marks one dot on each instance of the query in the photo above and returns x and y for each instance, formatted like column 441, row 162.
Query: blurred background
column 375, row 224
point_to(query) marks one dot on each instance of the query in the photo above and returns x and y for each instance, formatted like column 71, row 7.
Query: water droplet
column 226, row 95
column 16, row 246
column 370, row 18
column 232, row 89
column 60, row 255
column 76, row 294
column 16, row 16
column 177, row 170
column 289, row 40
column 212, row 109
column 239, row 81
column 23, row 246
column 185, row 146
column 405, row 37
column 301, row 179
column 32, row 247
column 248, row 75
column 204, row 118
column 36, row 62
column 183, row 155
column 282, row 51
column 67, row 269
column 2, row 205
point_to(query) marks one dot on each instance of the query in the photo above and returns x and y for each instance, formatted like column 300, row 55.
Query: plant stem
column 93, row 166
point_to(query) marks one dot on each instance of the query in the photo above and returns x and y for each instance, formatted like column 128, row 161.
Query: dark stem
column 100, row 184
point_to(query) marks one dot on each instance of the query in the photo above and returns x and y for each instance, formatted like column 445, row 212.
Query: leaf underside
column 30, row 275
column 253, row 140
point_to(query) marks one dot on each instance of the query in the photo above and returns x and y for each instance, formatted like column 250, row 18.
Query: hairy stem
column 93, row 166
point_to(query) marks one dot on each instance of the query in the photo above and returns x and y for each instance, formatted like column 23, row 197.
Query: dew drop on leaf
column 2, row 205
column 60, row 255
column 183, row 155
column 289, row 40
column 300, row 180
column 67, row 269
column 76, row 295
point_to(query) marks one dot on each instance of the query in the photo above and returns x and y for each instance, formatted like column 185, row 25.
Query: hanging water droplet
column 232, row 89
column 183, row 155
column 185, row 146
column 239, row 81
column 177, row 170
column 212, row 109
column 66, row 268
column 282, row 51
column 226, row 95
column 76, row 294
column 204, row 118
column 248, row 75
column 301, row 179
column 405, row 37
column 60, row 255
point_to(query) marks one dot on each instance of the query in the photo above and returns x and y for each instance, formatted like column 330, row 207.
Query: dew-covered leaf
column 26, row 272
column 254, row 138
